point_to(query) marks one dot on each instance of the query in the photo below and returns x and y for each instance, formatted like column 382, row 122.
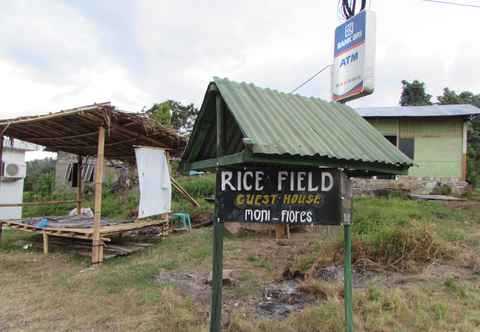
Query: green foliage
column 414, row 94
column 40, row 176
column 183, row 116
column 47, row 210
column 174, row 114
column 198, row 186
column 161, row 113
column 455, row 287
column 450, row 97
column 113, row 205
column 45, row 184
column 260, row 262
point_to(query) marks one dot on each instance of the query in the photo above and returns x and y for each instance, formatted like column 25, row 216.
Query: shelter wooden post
column 97, row 243
column 45, row 243
column 1, row 155
column 1, row 172
column 281, row 231
column 79, row 185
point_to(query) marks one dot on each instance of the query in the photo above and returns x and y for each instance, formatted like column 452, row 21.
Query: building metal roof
column 280, row 126
column 466, row 111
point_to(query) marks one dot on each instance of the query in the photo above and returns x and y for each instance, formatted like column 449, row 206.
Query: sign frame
column 353, row 68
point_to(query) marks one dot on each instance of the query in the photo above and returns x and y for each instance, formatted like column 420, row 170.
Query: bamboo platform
column 106, row 232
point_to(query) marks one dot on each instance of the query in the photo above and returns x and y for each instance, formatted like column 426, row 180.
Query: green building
column 435, row 137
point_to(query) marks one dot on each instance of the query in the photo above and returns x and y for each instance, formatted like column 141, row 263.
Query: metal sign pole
column 346, row 218
column 217, row 276
column 348, row 278
column 218, row 229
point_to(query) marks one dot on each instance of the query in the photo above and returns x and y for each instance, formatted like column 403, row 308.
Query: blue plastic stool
column 183, row 218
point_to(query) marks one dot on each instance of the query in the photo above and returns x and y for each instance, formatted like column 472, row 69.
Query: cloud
column 63, row 54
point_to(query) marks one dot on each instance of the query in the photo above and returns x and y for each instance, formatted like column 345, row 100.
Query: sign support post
column 346, row 218
column 348, row 277
column 218, row 229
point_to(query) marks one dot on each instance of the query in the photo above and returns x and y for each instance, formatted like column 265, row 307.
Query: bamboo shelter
column 98, row 130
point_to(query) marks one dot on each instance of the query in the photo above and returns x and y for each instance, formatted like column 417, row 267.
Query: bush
column 400, row 234
column 202, row 186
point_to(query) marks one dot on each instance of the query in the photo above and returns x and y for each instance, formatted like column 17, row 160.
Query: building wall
column 438, row 143
column 11, row 190
column 110, row 174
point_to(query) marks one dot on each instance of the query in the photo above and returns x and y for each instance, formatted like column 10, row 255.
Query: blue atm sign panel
column 353, row 70
column 266, row 195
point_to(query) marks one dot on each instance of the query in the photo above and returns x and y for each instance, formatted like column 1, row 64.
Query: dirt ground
column 164, row 288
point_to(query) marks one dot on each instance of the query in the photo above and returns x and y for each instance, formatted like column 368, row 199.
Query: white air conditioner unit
column 12, row 170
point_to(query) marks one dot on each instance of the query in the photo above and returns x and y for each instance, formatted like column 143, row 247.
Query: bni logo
column 349, row 30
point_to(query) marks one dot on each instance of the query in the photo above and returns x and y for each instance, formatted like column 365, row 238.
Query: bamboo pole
column 1, row 155
column 37, row 203
column 79, row 185
column 45, row 243
column 97, row 243
column 184, row 193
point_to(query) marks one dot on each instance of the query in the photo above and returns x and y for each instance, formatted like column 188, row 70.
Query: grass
column 61, row 291
column 400, row 234
column 260, row 262
column 114, row 206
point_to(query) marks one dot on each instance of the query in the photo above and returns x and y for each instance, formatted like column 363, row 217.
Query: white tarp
column 154, row 182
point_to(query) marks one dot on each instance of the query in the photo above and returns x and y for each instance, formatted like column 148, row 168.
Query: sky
column 60, row 54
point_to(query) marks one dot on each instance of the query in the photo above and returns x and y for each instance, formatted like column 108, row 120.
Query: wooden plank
column 63, row 232
column 130, row 226
column 97, row 245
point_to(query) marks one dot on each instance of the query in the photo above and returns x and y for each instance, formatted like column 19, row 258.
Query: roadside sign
column 353, row 70
column 268, row 195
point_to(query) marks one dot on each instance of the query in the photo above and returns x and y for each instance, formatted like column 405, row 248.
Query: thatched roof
column 76, row 131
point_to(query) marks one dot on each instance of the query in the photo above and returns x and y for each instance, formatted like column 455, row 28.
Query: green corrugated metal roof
column 280, row 124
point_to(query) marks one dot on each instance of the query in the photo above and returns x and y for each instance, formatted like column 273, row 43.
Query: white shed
column 13, row 170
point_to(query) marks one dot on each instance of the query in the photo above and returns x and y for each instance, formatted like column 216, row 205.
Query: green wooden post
column 218, row 228
column 346, row 218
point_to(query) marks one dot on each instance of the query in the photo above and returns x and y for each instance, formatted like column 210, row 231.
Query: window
column 88, row 171
column 392, row 139
column 407, row 146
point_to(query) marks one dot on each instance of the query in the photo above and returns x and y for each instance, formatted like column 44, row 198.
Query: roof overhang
column 76, row 131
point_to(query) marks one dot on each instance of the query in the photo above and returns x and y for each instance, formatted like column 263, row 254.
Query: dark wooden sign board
column 267, row 195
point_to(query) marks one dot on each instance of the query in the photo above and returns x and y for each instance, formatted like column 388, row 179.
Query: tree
column 161, row 113
column 174, row 114
column 450, row 97
column 40, row 176
column 183, row 116
column 414, row 94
